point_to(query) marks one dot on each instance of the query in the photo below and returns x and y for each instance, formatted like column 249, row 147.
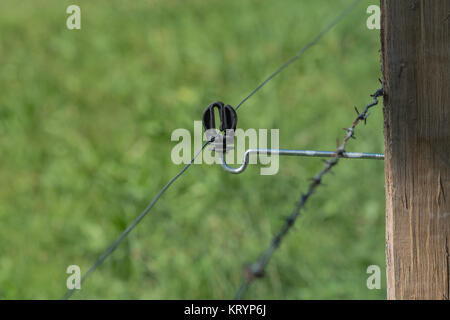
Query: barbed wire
column 256, row 270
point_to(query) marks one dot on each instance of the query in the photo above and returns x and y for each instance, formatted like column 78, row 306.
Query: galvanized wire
column 297, row 153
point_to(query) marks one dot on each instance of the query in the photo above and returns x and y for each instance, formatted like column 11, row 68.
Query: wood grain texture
column 415, row 40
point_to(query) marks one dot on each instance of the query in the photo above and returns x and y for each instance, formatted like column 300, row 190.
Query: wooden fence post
column 415, row 36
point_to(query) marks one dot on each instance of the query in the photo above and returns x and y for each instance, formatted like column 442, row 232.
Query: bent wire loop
column 298, row 153
column 224, row 143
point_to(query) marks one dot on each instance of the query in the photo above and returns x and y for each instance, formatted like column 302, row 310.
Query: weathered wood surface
column 415, row 40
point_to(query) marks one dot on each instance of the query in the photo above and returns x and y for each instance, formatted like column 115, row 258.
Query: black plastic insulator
column 227, row 115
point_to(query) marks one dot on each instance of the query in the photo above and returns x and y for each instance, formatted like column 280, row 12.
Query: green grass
column 85, row 124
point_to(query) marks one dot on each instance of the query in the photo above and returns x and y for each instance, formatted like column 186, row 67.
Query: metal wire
column 256, row 270
column 112, row 247
column 319, row 36
column 298, row 153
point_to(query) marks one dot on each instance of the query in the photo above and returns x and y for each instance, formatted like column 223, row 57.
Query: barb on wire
column 319, row 36
column 113, row 246
column 256, row 270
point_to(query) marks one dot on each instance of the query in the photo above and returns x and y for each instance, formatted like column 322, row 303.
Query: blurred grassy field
column 85, row 124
